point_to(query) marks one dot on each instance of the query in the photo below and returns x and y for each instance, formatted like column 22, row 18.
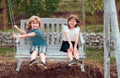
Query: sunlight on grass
column 7, row 50
column 94, row 28
column 10, row 30
column 7, row 53
column 95, row 54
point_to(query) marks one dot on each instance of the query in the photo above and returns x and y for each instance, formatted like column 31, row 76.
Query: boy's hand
column 16, row 27
column 15, row 36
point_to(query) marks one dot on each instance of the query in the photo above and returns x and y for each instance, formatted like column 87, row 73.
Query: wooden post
column 106, row 39
column 116, row 35
column 110, row 19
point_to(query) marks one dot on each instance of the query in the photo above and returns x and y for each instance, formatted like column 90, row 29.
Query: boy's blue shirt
column 38, row 40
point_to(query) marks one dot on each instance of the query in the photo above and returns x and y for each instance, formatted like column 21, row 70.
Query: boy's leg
column 42, row 64
column 42, row 57
column 42, row 51
column 33, row 57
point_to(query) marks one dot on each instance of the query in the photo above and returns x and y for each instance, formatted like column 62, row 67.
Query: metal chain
column 11, row 13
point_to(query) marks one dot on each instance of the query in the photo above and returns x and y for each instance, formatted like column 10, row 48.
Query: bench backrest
column 52, row 30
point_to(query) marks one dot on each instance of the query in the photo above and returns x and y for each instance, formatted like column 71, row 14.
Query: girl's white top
column 72, row 33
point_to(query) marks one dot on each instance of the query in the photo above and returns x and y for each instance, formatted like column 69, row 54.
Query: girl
column 34, row 33
column 70, row 39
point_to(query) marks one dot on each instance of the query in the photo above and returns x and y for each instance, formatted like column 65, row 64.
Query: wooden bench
column 52, row 30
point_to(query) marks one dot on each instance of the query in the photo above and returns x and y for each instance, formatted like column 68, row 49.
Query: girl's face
column 35, row 24
column 72, row 23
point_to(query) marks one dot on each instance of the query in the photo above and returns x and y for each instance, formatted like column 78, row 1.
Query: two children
column 39, row 46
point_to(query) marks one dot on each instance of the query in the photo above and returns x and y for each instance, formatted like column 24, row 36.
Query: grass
column 94, row 28
column 70, row 5
column 9, row 30
column 96, row 55
column 6, row 50
column 7, row 53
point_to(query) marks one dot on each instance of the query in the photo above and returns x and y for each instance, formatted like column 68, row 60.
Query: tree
column 4, row 15
column 93, row 6
column 42, row 8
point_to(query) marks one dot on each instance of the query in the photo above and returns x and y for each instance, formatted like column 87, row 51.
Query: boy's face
column 72, row 23
column 35, row 24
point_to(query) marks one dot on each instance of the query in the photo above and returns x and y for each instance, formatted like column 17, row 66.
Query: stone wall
column 94, row 40
column 6, row 39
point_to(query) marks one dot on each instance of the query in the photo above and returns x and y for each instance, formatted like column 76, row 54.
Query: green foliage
column 42, row 8
column 117, row 1
column 70, row 6
column 93, row 6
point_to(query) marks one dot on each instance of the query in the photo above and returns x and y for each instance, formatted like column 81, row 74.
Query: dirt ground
column 56, row 70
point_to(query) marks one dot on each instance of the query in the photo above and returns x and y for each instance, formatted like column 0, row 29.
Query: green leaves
column 94, row 5
column 42, row 8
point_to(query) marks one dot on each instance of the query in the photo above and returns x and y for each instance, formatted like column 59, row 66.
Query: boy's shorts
column 39, row 49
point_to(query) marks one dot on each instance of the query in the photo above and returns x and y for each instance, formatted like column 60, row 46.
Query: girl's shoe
column 72, row 62
column 79, row 60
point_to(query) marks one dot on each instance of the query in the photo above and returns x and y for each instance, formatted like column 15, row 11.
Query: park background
column 23, row 9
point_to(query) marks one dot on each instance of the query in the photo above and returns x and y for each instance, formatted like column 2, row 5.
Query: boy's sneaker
column 79, row 60
column 33, row 62
column 72, row 62
column 42, row 65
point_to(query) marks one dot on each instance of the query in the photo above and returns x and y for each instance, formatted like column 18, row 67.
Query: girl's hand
column 70, row 48
column 75, row 49
column 15, row 36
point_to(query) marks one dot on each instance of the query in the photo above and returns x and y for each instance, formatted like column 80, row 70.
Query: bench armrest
column 82, row 41
column 17, row 39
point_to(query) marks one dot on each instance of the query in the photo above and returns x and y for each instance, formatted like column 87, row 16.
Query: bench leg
column 82, row 53
column 19, row 62
column 82, row 66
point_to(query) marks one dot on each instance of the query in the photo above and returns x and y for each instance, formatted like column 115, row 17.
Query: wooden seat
column 52, row 30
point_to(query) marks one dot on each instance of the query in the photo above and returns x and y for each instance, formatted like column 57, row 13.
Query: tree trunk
column 4, row 14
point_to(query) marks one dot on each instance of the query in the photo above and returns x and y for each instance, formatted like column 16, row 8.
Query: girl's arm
column 24, row 35
column 68, row 39
column 20, row 30
column 76, row 39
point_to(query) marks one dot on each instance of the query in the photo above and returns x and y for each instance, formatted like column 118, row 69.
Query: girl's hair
column 79, row 23
column 32, row 19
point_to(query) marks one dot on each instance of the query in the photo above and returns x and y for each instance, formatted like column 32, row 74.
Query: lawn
column 7, row 53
